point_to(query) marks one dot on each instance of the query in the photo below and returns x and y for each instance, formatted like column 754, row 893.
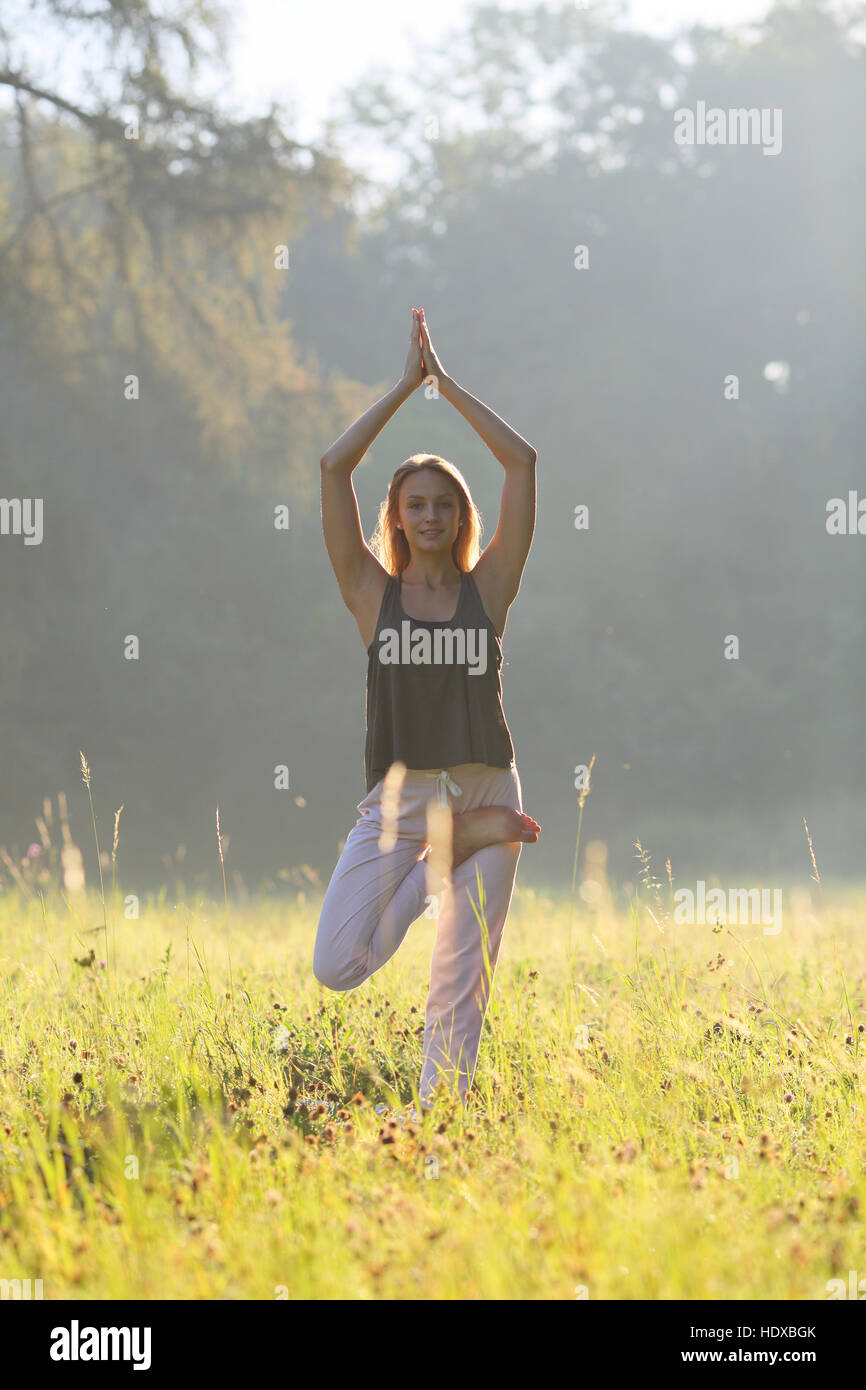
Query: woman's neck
column 431, row 573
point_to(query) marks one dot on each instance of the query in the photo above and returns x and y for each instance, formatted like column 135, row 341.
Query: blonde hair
column 390, row 545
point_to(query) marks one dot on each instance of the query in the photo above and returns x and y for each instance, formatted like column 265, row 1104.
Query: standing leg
column 466, row 952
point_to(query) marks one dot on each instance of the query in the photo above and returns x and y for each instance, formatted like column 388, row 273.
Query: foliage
column 707, row 516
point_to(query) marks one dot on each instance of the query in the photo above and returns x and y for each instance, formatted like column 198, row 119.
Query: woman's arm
column 499, row 570
column 359, row 574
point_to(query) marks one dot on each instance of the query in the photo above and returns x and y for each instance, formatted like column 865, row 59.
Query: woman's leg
column 372, row 899
column 460, row 976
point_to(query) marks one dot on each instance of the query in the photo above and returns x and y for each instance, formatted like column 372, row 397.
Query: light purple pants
column 374, row 897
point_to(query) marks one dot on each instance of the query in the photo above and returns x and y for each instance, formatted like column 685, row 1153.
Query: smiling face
column 429, row 507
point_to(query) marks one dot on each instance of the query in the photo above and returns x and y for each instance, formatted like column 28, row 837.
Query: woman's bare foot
column 490, row 825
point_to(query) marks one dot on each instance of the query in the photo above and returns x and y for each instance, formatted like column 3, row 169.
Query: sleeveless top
column 434, row 696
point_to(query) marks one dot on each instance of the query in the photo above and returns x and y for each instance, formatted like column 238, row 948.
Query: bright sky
column 302, row 53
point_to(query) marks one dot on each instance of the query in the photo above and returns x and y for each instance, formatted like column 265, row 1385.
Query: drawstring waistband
column 445, row 783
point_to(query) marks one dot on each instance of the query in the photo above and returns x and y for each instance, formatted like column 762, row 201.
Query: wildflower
column 33, row 850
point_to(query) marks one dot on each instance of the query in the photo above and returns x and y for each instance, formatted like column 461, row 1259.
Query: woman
column 431, row 615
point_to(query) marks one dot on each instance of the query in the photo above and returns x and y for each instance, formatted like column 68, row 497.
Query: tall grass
column 659, row 1111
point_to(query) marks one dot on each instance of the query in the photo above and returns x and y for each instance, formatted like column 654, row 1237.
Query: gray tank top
column 434, row 696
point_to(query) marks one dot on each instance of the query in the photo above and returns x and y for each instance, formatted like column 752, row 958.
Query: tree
column 140, row 223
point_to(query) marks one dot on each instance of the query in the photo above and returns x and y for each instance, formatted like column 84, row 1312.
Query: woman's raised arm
column 499, row 570
column 360, row 576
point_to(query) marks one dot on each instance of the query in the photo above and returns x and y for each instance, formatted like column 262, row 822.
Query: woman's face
column 429, row 507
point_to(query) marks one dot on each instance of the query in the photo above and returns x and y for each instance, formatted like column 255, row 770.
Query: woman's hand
column 413, row 372
column 432, row 365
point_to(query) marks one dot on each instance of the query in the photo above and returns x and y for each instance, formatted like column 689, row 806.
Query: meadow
column 660, row 1111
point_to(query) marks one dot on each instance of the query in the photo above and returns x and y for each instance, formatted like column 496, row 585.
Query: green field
column 660, row 1111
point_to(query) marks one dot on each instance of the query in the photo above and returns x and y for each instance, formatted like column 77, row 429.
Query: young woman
column 431, row 614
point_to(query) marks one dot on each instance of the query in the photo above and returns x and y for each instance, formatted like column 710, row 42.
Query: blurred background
column 169, row 377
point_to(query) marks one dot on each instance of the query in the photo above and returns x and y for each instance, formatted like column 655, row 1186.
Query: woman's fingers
column 425, row 339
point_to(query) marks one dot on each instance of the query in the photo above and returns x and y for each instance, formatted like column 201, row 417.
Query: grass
column 660, row 1111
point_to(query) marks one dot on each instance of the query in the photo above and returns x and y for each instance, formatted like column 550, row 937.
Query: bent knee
column 332, row 977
